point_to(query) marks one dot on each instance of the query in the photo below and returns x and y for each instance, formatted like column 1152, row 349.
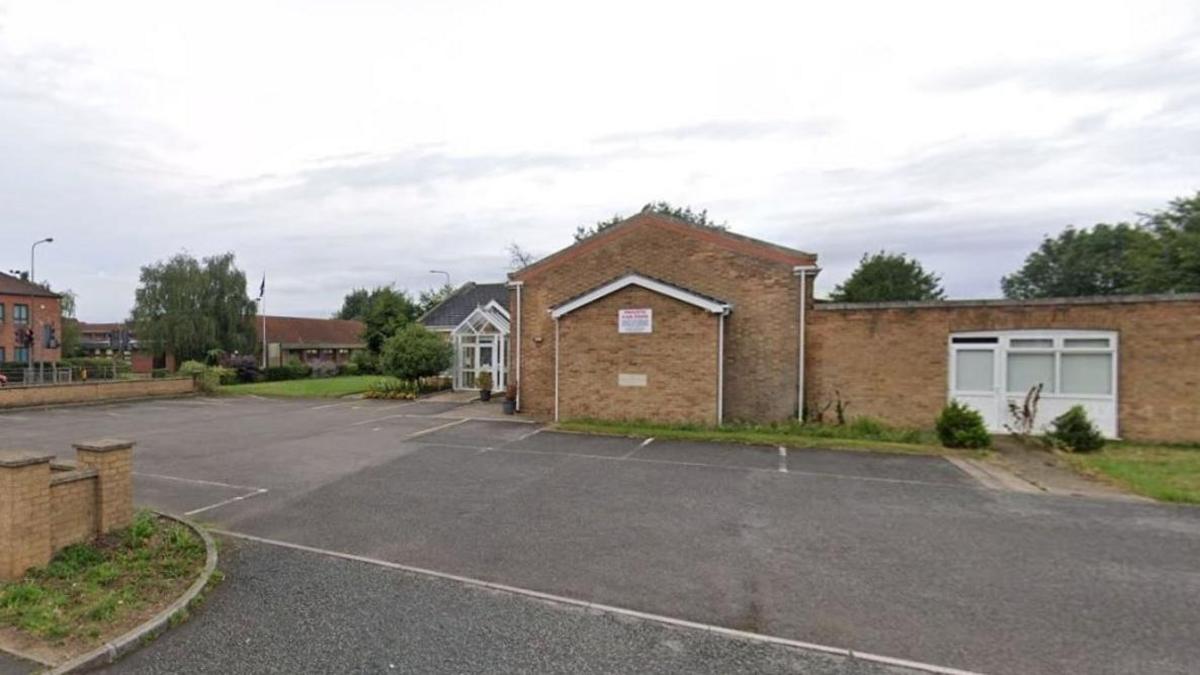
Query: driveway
column 902, row 556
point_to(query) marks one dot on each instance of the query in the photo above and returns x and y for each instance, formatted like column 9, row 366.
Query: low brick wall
column 45, row 506
column 891, row 360
column 86, row 392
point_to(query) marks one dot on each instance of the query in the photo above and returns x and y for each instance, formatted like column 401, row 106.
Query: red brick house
column 291, row 338
column 657, row 319
column 25, row 306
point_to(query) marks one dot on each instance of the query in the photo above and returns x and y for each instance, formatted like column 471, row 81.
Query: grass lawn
column 309, row 387
column 94, row 592
column 1169, row 474
column 857, row 435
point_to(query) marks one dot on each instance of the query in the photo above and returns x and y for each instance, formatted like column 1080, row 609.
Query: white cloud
column 337, row 144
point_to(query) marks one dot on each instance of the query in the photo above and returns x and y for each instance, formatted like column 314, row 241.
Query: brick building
column 291, row 338
column 658, row 319
column 28, row 306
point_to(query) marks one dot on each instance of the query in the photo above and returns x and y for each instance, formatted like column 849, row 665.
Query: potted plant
column 484, row 382
column 510, row 399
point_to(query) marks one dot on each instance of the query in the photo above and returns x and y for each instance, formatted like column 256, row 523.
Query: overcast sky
column 341, row 144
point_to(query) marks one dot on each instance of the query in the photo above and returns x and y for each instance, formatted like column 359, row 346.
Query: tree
column 414, row 351
column 1160, row 253
column 354, row 305
column 698, row 218
column 429, row 299
column 884, row 277
column 519, row 258
column 1102, row 260
column 186, row 307
column 69, row 341
column 388, row 310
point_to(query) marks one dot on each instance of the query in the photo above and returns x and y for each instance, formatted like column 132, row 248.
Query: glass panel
column 1027, row 370
column 1086, row 343
column 1026, row 343
column 485, row 356
column 467, row 362
column 1087, row 373
column 468, row 380
column 973, row 370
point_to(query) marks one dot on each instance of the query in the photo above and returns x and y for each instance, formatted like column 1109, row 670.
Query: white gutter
column 802, row 271
column 556, row 370
column 517, row 285
column 721, row 368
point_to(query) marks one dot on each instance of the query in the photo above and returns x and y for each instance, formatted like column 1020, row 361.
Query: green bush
column 393, row 389
column 415, row 352
column 1073, row 431
column 159, row 373
column 959, row 426
column 366, row 362
column 347, row 369
column 192, row 368
column 294, row 370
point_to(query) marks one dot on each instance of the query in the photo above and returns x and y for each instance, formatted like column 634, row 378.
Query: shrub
column 347, row 369
column 159, row 373
column 366, row 362
column 435, row 383
column 300, row 369
column 324, row 369
column 246, row 367
column 225, row 375
column 959, row 426
column 1073, row 431
column 393, row 389
column 192, row 368
column 415, row 352
column 484, row 381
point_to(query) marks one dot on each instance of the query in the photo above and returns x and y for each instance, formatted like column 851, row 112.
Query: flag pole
column 262, row 309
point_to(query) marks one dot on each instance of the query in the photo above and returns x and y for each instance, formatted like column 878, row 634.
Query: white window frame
column 1058, row 339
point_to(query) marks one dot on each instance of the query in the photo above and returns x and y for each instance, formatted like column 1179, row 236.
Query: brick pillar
column 113, row 461
column 24, row 512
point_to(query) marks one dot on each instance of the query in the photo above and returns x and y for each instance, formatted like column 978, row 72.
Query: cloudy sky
column 341, row 144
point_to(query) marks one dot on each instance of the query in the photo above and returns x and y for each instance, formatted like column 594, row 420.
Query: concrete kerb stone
column 92, row 404
column 114, row 649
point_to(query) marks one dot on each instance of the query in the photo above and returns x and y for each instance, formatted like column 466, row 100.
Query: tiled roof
column 316, row 332
column 85, row 327
column 10, row 285
column 451, row 311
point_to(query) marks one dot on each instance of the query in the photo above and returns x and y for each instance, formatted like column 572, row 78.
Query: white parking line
column 231, row 500
column 782, row 459
column 430, row 430
column 198, row 481
column 641, row 445
column 330, row 405
column 607, row 609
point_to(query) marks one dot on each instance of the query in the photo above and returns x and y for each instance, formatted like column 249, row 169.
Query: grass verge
column 310, row 387
column 1166, row 473
column 861, row 434
column 92, row 592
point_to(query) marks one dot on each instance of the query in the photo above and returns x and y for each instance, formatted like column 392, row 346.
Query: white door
column 974, row 380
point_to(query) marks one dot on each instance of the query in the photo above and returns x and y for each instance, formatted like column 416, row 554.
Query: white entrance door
column 974, row 379
column 479, row 353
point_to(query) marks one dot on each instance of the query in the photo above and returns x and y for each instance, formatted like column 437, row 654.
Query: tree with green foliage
column 415, row 351
column 685, row 213
column 1160, row 253
column 354, row 305
column 69, row 338
column 388, row 311
column 885, row 277
column 429, row 299
column 186, row 307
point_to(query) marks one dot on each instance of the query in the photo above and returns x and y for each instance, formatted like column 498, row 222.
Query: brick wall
column 83, row 392
column 44, row 507
column 756, row 278
column 72, row 507
column 678, row 360
column 890, row 361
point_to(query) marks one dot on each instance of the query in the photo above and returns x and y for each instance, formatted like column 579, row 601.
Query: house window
column 21, row 354
column 1, row 316
column 2, row 355
column 20, row 313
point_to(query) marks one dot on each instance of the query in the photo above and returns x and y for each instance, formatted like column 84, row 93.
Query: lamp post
column 32, row 250
column 442, row 272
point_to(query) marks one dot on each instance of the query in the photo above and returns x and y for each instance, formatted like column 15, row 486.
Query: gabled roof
column 451, row 311
column 705, row 302
column 493, row 314
column 10, row 285
column 724, row 238
column 315, row 332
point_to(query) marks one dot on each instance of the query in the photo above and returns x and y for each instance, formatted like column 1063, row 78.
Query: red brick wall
column 891, row 362
column 678, row 359
column 758, row 280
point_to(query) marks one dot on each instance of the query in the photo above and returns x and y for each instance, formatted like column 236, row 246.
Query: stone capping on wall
column 1005, row 302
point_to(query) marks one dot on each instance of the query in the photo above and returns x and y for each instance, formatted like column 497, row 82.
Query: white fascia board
column 706, row 304
column 498, row 308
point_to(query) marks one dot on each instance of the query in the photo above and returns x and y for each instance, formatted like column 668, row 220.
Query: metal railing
column 43, row 374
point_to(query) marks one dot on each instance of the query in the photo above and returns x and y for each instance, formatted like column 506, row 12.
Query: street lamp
column 32, row 249
column 442, row 272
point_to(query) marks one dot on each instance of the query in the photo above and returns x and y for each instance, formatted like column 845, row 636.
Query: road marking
column 457, row 446
column 231, row 500
column 607, row 609
column 439, row 427
column 198, row 481
column 782, row 459
column 14, row 418
column 641, row 445
column 329, row 405
column 524, row 436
